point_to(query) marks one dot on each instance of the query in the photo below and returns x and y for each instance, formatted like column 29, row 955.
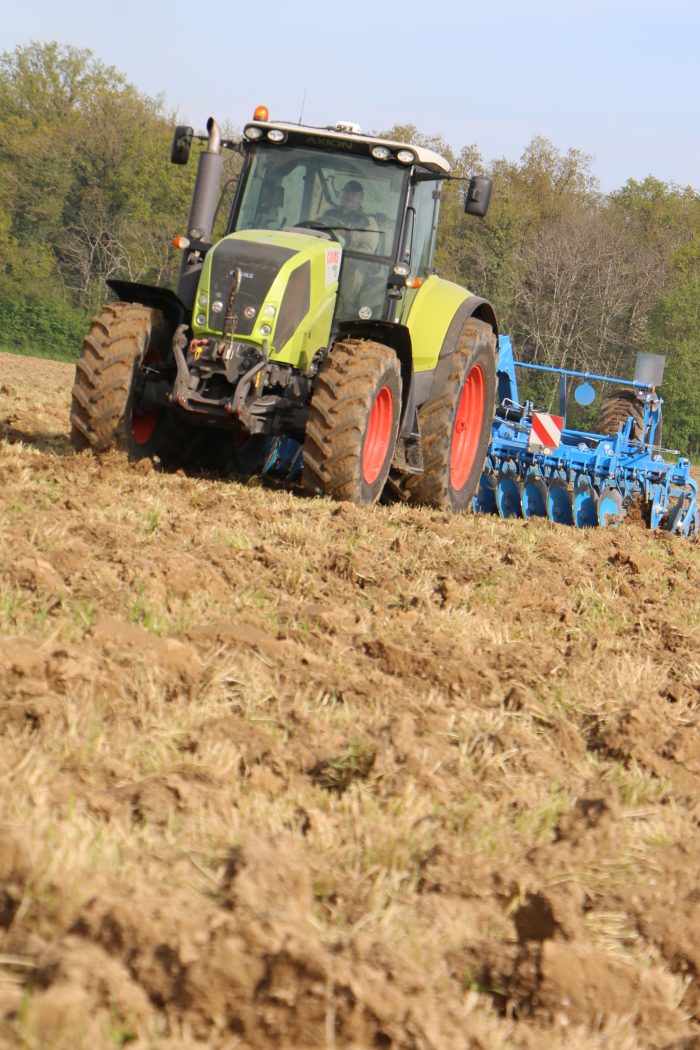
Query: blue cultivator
column 537, row 467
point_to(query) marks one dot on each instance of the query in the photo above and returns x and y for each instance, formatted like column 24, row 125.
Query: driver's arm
column 368, row 239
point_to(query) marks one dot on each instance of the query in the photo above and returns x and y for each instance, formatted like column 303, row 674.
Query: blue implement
column 537, row 465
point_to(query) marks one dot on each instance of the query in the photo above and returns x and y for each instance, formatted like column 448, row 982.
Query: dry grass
column 431, row 721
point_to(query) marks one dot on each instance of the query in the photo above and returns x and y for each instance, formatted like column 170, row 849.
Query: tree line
column 578, row 277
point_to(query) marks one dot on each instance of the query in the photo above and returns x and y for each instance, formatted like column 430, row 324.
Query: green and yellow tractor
column 313, row 340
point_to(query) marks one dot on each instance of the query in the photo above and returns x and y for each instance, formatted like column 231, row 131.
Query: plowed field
column 282, row 773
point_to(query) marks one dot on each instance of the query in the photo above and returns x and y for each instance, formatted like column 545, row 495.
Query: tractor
column 313, row 340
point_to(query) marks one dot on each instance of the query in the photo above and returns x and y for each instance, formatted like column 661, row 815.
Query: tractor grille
column 259, row 264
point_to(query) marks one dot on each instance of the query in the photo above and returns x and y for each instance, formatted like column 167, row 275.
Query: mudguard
column 163, row 299
column 436, row 316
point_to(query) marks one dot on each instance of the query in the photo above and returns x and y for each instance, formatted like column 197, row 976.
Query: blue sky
column 617, row 79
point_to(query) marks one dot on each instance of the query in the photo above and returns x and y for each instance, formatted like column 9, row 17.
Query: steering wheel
column 315, row 224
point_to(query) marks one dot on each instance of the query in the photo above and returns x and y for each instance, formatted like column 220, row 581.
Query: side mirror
column 182, row 141
column 476, row 201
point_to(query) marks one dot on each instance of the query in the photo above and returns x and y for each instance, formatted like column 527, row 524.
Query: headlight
column 405, row 156
column 217, row 306
column 265, row 329
column 201, row 319
column 203, row 299
column 269, row 310
column 381, row 153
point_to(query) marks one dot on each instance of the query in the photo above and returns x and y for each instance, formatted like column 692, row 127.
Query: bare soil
column 278, row 772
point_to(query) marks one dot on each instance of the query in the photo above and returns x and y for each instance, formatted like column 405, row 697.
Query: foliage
column 577, row 277
column 42, row 328
column 674, row 330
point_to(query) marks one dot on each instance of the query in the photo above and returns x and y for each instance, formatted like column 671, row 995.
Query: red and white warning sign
column 546, row 432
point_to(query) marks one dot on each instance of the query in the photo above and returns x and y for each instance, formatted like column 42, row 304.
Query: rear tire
column 353, row 422
column 119, row 337
column 456, row 425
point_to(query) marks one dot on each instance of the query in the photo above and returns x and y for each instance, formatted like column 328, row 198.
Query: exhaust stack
column 202, row 211
column 206, row 187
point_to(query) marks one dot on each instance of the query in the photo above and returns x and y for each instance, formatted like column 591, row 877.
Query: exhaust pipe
column 206, row 187
column 202, row 211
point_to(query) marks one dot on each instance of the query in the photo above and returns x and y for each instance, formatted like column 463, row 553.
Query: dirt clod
column 281, row 773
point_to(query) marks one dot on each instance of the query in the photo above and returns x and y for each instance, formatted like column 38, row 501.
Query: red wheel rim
column 143, row 426
column 467, row 428
column 378, row 435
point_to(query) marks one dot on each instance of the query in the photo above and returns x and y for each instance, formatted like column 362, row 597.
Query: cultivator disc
column 560, row 507
column 611, row 509
column 484, row 501
column 534, row 497
column 585, row 507
column 509, row 496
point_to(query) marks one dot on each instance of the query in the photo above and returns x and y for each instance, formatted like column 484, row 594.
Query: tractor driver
column 358, row 230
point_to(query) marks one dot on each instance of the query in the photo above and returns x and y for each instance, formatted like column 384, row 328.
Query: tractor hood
column 286, row 278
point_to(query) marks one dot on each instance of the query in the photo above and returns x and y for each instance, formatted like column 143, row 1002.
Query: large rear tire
column 456, row 425
column 353, row 422
column 120, row 337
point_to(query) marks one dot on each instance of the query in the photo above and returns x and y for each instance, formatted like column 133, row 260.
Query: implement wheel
column 121, row 336
column 456, row 425
column 353, row 422
column 614, row 411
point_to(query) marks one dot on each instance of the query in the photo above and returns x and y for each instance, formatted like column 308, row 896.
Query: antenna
column 303, row 103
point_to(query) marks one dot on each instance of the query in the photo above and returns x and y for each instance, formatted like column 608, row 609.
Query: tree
column 674, row 330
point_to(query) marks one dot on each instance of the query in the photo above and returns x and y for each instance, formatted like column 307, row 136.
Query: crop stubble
column 278, row 772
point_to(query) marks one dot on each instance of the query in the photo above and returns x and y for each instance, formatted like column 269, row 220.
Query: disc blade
column 610, row 508
column 657, row 507
column 559, row 503
column 484, row 500
column 585, row 508
column 508, row 497
column 534, row 497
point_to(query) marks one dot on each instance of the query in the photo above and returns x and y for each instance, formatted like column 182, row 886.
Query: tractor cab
column 375, row 200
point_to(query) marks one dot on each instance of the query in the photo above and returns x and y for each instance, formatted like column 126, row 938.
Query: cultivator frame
column 583, row 479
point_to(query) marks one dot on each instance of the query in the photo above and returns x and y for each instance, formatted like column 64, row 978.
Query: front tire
column 119, row 338
column 353, row 422
column 456, row 425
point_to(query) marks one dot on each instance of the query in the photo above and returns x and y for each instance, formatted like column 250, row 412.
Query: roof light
column 381, row 153
column 405, row 156
column 348, row 127
column 251, row 132
column 261, row 113
column 275, row 135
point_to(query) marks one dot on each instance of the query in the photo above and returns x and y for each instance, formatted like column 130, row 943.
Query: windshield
column 358, row 198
